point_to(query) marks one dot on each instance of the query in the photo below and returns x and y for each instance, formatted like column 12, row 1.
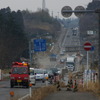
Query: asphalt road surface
column 18, row 91
column 69, row 95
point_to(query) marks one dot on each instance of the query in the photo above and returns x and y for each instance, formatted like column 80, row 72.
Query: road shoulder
column 69, row 95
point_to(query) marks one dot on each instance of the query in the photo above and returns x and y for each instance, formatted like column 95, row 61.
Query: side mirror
column 9, row 72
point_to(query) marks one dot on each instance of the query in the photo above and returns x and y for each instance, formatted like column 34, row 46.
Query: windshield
column 20, row 70
column 49, row 71
column 39, row 71
column 70, row 63
column 54, row 70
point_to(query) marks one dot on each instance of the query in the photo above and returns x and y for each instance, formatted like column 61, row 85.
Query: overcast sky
column 52, row 5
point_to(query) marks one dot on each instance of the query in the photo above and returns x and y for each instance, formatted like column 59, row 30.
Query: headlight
column 26, row 78
column 12, row 77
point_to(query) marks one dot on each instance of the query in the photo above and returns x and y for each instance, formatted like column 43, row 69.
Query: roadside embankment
column 90, row 87
column 41, row 93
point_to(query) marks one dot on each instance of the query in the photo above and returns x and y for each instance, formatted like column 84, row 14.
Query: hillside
column 40, row 23
column 16, row 30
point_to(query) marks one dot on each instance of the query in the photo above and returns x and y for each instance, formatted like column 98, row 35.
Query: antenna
column 52, row 14
column 43, row 5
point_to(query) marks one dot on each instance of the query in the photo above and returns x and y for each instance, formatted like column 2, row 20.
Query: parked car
column 54, row 70
column 32, row 76
column 40, row 75
column 50, row 76
column 62, row 60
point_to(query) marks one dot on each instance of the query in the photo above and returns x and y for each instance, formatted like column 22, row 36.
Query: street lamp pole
column 30, row 52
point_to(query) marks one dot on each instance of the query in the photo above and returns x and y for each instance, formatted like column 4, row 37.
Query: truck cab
column 19, row 74
column 70, row 63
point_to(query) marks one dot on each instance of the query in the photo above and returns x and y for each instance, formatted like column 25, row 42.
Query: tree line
column 12, row 39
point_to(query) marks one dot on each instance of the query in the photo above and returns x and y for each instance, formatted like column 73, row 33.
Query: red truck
column 19, row 74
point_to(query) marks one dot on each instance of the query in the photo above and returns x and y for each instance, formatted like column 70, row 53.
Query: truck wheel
column 27, row 85
column 34, row 84
column 43, row 81
column 11, row 85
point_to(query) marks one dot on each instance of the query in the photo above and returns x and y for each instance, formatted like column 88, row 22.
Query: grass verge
column 91, row 87
column 41, row 93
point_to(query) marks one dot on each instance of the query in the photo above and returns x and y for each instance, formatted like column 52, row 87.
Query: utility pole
column 99, row 44
column 30, row 54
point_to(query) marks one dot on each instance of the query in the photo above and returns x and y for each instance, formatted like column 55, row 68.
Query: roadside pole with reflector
column 30, row 90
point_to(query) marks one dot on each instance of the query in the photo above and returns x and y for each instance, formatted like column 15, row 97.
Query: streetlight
column 79, row 11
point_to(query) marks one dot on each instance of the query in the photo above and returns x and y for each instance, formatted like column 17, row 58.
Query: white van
column 40, row 74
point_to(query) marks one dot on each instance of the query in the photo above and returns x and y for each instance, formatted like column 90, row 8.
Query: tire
column 27, row 85
column 34, row 84
column 11, row 85
column 43, row 81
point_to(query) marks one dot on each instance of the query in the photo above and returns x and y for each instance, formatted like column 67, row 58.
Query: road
column 19, row 91
column 70, row 39
column 69, row 95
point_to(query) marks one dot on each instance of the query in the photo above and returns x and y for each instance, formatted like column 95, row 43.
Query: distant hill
column 17, row 28
column 39, row 23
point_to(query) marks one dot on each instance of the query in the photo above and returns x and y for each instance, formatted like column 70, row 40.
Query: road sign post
column 87, row 47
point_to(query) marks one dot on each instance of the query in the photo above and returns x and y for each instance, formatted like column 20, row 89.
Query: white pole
column 46, row 82
column 92, row 77
column 95, row 78
column 87, row 61
column 30, row 91
column 87, row 70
